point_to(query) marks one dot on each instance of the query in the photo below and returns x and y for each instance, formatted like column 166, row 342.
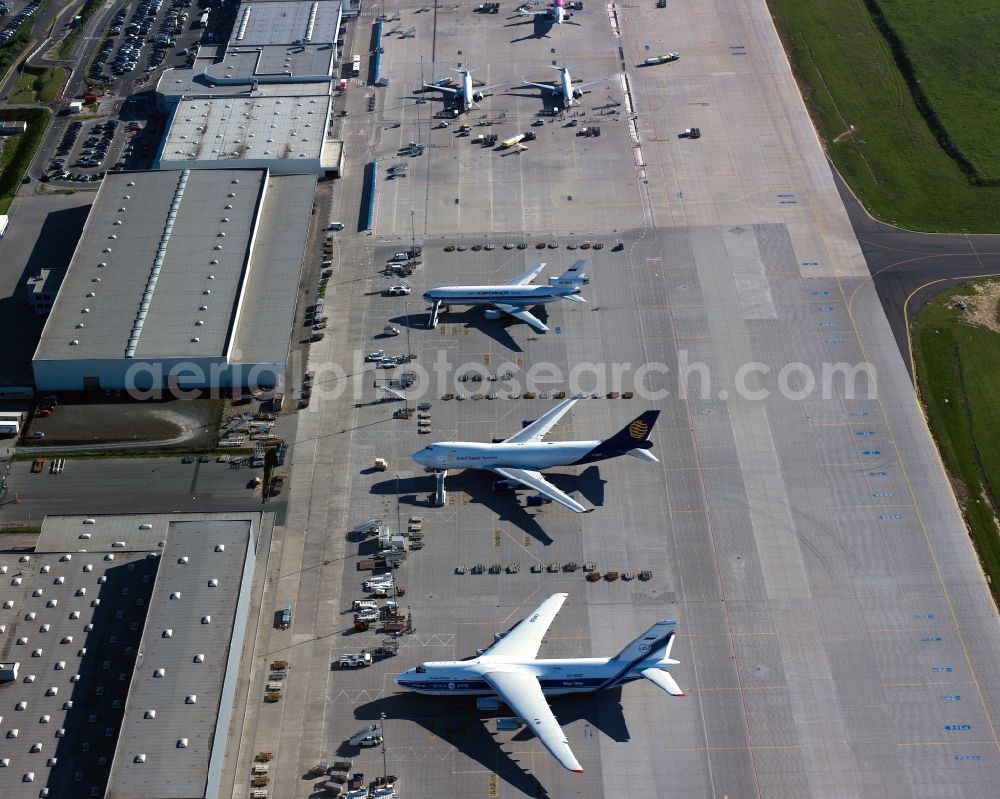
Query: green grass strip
column 871, row 124
column 956, row 370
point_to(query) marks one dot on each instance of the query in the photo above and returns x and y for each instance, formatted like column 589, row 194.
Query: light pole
column 385, row 767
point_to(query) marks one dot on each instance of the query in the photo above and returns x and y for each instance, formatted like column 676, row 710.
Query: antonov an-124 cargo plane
column 520, row 457
column 510, row 669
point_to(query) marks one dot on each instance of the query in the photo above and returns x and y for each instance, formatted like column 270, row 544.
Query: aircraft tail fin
column 635, row 435
column 573, row 276
column 653, row 645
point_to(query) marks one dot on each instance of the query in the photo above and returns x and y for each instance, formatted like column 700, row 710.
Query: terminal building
column 181, row 278
column 126, row 634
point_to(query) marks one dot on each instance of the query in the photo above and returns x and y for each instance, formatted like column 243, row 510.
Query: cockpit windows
column 421, row 670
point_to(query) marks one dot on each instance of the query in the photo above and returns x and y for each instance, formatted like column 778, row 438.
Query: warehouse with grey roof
column 125, row 634
column 181, row 278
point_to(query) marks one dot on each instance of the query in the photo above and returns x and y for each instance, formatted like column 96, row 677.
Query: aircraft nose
column 420, row 457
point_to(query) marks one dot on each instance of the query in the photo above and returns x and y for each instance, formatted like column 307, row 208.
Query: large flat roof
column 78, row 611
column 132, row 291
column 187, row 639
column 256, row 70
column 238, row 128
column 287, row 22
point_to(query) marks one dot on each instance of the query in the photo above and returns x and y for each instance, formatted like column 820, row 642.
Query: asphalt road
column 910, row 268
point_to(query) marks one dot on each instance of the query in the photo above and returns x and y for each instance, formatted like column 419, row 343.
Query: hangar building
column 181, row 278
column 126, row 637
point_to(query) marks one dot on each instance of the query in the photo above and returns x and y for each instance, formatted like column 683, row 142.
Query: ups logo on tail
column 638, row 429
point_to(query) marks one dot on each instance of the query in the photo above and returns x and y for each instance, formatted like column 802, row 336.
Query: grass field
column 13, row 49
column 38, row 85
column 954, row 49
column 17, row 159
column 956, row 369
column 871, row 124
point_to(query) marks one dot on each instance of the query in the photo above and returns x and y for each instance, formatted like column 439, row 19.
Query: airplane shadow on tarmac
column 478, row 484
column 458, row 723
column 541, row 27
column 474, row 319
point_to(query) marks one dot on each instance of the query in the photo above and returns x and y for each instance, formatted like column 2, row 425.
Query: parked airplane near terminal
column 510, row 668
column 520, row 457
column 558, row 13
column 468, row 95
column 565, row 91
column 513, row 297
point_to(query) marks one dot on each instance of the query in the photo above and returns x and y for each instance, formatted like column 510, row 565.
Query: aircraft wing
column 537, row 429
column 546, row 86
column 485, row 89
column 446, row 89
column 524, row 696
column 527, row 277
column 588, row 84
column 523, row 315
column 535, row 481
column 525, row 638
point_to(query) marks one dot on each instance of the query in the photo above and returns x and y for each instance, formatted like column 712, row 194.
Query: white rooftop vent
column 37, row 653
column 119, row 544
column 22, row 641
column 130, row 183
column 60, row 665
column 182, row 743
column 160, row 673
column 37, row 592
column 8, row 604
column 109, row 556
column 84, row 536
column 149, row 714
column 213, row 583
column 182, row 559
column 44, row 628
column 220, row 547
column 52, row 603
column 29, row 616
column 75, row 614
column 90, row 521
column 50, row 762
column 16, row 581
column 199, row 658
column 68, row 704
column 59, row 580
column 46, row 569
column 52, row 691
column 191, row 699
column 81, row 591
column 139, row 759
column 45, row 719
column 75, row 678
column 61, row 732
column 175, row 595
column 66, row 557
column 195, row 339
column 35, row 747
column 5, row 762
column 168, row 633
column 202, row 307
column 22, row 705
column 145, row 526
column 29, row 679
column 67, row 639
column 29, row 776
column 88, row 567
column 12, row 733
column 206, row 619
